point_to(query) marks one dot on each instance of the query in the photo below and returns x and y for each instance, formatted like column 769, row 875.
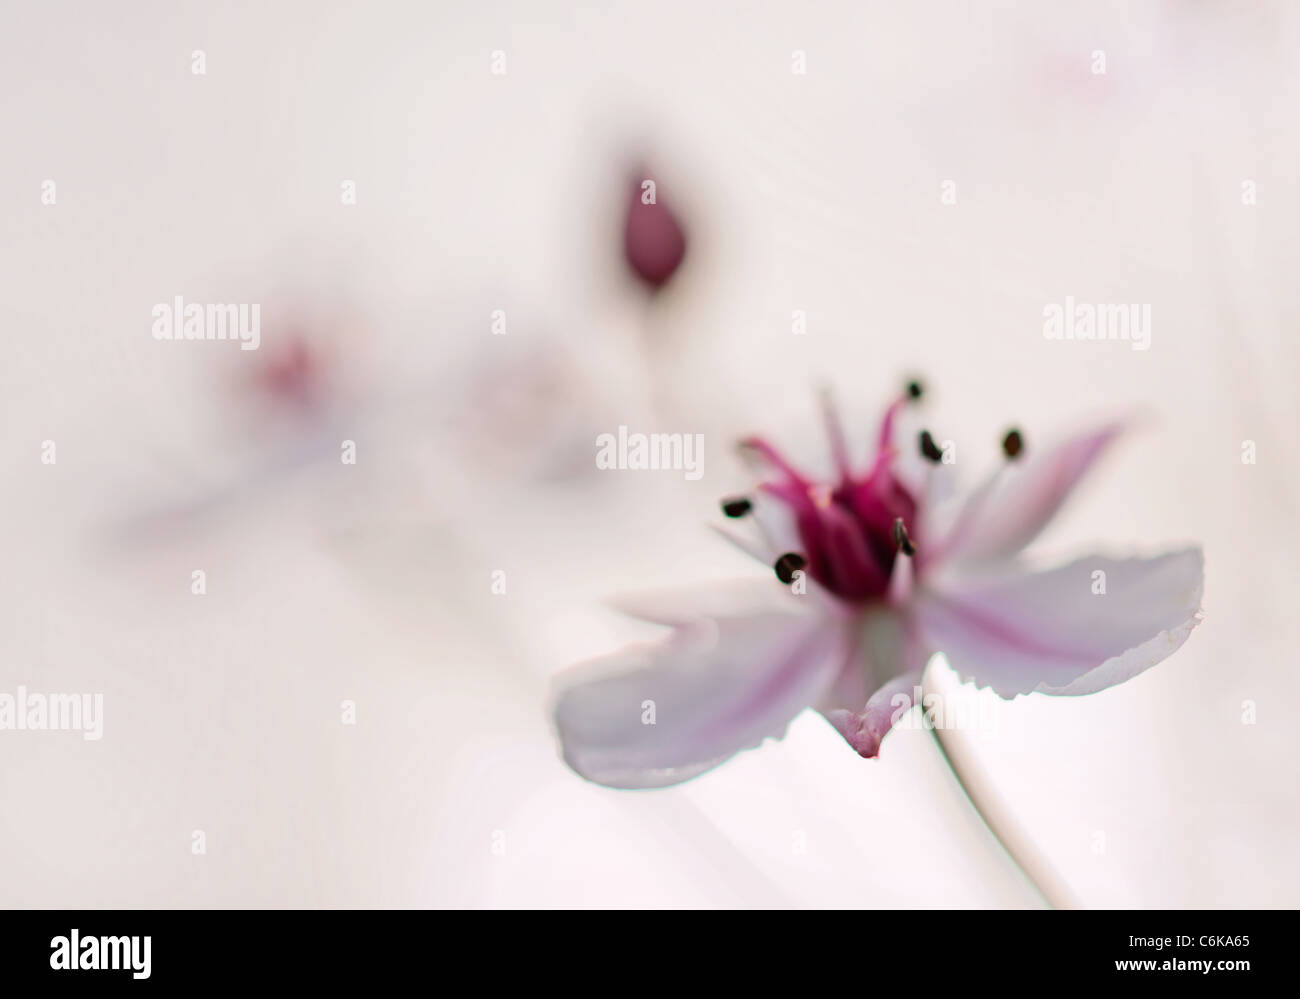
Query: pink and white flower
column 877, row 571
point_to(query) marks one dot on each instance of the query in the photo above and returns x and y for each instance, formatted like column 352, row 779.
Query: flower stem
column 988, row 806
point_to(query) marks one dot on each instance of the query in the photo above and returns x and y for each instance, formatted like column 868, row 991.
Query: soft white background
column 478, row 192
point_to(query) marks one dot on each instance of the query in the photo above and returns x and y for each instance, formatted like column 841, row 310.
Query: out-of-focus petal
column 1009, row 511
column 877, row 683
column 661, row 713
column 1055, row 632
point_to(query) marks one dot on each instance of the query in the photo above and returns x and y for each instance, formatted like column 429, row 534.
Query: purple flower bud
column 653, row 240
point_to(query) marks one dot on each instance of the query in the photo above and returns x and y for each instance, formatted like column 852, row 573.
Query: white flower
column 874, row 580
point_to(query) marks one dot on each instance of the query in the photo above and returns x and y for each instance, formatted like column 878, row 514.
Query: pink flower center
column 851, row 532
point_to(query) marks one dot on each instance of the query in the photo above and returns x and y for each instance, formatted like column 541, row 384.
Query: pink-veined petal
column 1056, row 632
column 877, row 683
column 661, row 713
column 1008, row 511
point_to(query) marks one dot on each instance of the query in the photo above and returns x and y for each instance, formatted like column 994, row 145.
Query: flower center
column 850, row 533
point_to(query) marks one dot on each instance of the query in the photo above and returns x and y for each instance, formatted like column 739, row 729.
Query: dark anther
column 929, row 448
column 901, row 538
column 1012, row 444
column 736, row 507
column 914, row 389
column 787, row 565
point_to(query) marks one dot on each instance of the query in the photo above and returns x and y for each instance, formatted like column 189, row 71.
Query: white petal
column 717, row 685
column 1051, row 632
column 876, row 685
column 1009, row 510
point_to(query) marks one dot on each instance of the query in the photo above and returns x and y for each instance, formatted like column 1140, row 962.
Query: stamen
column 737, row 507
column 929, row 449
column 1013, row 444
column 762, row 528
column 787, row 565
column 901, row 538
column 885, row 438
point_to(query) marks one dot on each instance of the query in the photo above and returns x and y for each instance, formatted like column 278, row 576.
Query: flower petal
column 1054, row 633
column 882, row 671
column 661, row 713
column 1011, row 508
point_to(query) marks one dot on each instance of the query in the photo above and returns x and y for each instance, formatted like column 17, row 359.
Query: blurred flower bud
column 653, row 241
